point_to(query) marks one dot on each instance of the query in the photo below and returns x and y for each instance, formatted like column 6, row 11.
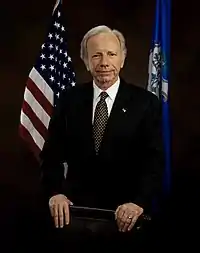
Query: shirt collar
column 111, row 91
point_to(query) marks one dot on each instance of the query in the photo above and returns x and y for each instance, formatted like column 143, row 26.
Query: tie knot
column 103, row 95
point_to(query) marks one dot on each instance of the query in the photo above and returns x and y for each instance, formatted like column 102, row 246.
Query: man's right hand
column 59, row 208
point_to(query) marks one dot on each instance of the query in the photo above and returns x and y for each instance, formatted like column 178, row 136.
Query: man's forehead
column 102, row 40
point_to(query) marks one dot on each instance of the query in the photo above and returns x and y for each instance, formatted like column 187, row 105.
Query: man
column 109, row 133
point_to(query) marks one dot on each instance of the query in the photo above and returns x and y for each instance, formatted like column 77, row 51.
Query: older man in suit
column 109, row 133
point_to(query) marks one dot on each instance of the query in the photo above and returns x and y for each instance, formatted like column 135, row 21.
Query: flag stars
column 57, row 25
column 51, row 67
column 62, row 28
column 52, row 78
column 43, row 46
column 42, row 56
column 50, row 35
column 57, row 36
column 51, row 57
column 51, row 46
column 43, row 67
column 64, row 65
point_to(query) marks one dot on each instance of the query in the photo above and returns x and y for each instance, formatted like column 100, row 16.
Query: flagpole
column 56, row 5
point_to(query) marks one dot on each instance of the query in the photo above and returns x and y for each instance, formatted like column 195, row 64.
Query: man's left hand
column 127, row 215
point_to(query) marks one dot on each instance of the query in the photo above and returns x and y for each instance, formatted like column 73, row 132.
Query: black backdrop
column 23, row 26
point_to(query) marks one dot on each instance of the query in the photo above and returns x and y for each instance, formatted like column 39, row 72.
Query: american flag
column 51, row 75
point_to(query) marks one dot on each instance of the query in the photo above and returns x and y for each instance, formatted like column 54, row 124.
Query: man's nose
column 104, row 61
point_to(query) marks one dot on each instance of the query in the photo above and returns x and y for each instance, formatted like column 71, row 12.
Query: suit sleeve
column 153, row 157
column 54, row 152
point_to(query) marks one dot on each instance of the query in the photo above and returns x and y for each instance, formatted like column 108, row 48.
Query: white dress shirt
column 111, row 91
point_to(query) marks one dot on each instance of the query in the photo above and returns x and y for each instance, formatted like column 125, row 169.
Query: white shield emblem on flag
column 154, row 70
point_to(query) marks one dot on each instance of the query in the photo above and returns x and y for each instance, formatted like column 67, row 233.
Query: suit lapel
column 115, row 122
column 117, row 115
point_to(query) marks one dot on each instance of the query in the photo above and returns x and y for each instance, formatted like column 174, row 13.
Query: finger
column 60, row 214
column 51, row 208
column 55, row 216
column 69, row 202
column 127, row 219
column 117, row 210
column 121, row 218
column 120, row 212
column 133, row 222
column 126, row 225
column 119, row 224
column 66, row 213
column 123, row 221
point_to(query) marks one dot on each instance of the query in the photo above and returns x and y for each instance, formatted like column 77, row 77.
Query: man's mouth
column 104, row 72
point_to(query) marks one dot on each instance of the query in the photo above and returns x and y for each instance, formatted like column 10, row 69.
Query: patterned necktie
column 100, row 120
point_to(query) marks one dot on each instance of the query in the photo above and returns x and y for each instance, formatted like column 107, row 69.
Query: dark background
column 23, row 27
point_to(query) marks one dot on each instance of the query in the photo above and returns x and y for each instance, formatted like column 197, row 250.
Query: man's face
column 105, row 59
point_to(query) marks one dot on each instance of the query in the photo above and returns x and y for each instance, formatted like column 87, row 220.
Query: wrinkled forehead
column 103, row 42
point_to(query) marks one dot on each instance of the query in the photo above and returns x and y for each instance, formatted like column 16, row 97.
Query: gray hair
column 97, row 30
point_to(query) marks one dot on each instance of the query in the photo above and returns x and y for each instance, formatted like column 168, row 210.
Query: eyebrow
column 113, row 52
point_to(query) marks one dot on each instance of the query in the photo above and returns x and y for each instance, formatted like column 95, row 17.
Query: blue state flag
column 158, row 81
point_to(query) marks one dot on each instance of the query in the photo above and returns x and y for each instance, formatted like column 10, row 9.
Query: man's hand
column 59, row 208
column 127, row 215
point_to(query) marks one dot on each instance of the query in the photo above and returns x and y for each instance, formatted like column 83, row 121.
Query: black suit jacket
column 130, row 162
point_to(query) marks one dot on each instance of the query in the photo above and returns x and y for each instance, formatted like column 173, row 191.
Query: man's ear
column 87, row 65
column 123, row 60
